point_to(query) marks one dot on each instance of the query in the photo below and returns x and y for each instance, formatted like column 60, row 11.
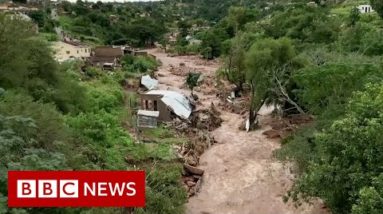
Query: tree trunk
column 287, row 97
column 253, row 111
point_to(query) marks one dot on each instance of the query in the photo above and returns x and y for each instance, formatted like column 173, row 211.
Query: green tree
column 377, row 5
column 270, row 64
column 145, row 31
column 311, row 25
column 347, row 173
column 239, row 16
column 29, row 66
column 234, row 69
column 354, row 16
column 212, row 43
column 192, row 80
column 370, row 200
column 326, row 88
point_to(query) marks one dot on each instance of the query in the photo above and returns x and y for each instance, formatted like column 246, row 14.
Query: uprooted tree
column 270, row 64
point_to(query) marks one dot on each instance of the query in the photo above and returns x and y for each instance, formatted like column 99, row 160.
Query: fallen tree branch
column 286, row 95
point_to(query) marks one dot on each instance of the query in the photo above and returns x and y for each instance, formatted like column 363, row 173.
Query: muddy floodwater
column 241, row 174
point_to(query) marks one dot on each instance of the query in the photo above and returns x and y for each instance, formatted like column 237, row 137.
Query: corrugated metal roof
column 149, row 82
column 176, row 101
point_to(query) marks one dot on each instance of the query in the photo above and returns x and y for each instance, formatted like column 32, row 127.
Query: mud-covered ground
column 241, row 174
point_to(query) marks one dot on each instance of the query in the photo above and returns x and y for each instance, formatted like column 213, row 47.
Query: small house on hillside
column 68, row 50
column 169, row 104
column 106, row 57
column 365, row 8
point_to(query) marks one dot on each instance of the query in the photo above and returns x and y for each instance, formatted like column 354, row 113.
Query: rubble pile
column 197, row 130
column 192, row 179
column 207, row 119
column 204, row 62
column 207, row 86
column 283, row 127
column 181, row 70
column 200, row 140
column 237, row 105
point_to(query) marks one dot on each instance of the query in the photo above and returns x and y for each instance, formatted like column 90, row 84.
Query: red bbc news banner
column 76, row 188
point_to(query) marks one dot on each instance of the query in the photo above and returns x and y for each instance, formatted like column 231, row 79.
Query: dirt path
column 241, row 175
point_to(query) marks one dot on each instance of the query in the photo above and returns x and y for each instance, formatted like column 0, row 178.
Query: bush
column 140, row 64
column 165, row 193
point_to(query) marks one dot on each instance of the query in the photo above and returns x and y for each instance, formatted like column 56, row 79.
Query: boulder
column 193, row 170
column 190, row 183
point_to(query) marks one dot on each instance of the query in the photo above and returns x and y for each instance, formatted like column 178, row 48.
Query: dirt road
column 241, row 175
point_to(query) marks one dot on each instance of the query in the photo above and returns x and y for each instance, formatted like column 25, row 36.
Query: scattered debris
column 207, row 119
column 192, row 179
column 200, row 139
column 237, row 105
column 149, row 82
column 280, row 128
column 272, row 134
column 193, row 170
column 181, row 70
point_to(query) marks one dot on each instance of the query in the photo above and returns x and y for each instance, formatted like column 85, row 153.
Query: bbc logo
column 47, row 188
column 76, row 189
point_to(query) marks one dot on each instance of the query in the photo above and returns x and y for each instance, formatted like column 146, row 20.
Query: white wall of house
column 64, row 51
column 365, row 8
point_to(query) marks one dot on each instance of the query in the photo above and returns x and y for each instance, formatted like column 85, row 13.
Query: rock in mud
column 193, row 170
column 190, row 183
column 191, row 192
column 207, row 119
column 191, row 160
column 198, row 185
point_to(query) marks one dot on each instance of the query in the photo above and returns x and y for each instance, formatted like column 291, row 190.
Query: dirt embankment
column 240, row 173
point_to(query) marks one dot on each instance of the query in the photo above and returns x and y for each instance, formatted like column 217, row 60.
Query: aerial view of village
column 218, row 106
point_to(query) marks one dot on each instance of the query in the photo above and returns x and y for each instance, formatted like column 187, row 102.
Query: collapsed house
column 107, row 58
column 162, row 105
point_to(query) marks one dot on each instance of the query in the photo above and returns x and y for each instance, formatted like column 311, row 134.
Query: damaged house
column 162, row 105
column 106, row 57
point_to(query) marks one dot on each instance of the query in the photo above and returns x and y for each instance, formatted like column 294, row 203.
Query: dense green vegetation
column 323, row 60
column 137, row 25
column 55, row 116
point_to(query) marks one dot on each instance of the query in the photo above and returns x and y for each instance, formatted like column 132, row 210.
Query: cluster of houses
column 105, row 57
column 156, row 105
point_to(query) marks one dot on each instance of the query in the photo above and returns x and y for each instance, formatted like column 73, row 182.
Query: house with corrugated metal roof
column 168, row 104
